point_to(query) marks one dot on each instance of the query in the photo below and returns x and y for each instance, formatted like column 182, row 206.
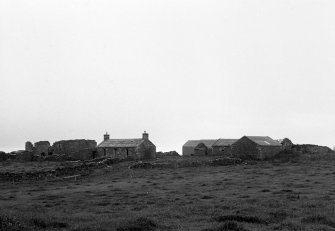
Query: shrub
column 10, row 224
column 318, row 219
column 238, row 218
column 228, row 226
column 41, row 223
column 140, row 224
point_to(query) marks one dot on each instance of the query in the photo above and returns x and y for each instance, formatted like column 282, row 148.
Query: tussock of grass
column 277, row 216
column 41, row 223
column 10, row 224
column 228, row 226
column 206, row 197
column 291, row 226
column 238, row 218
column 318, row 219
column 140, row 224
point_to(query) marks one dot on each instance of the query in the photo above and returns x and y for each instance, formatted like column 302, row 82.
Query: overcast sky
column 178, row 69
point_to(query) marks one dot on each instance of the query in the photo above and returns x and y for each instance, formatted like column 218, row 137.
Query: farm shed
column 198, row 147
column 141, row 148
column 255, row 147
column 223, row 147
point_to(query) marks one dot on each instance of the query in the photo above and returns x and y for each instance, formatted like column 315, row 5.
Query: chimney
column 106, row 136
column 145, row 136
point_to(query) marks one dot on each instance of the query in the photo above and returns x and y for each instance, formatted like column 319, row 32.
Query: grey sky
column 178, row 69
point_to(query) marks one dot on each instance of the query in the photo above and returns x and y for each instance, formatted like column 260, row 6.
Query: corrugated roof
column 194, row 143
column 264, row 140
column 224, row 142
column 120, row 143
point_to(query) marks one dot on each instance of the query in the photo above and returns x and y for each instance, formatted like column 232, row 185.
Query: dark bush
column 238, row 218
column 226, row 161
column 10, row 224
column 37, row 222
column 145, row 165
column 140, row 224
column 228, row 226
column 318, row 219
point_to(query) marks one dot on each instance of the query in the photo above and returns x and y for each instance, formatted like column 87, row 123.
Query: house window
column 105, row 152
column 127, row 152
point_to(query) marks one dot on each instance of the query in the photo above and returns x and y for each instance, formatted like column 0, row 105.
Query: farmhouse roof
column 264, row 141
column 194, row 143
column 224, row 142
column 120, row 143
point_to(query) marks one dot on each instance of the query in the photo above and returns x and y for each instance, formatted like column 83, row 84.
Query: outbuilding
column 198, row 147
column 255, row 147
column 223, row 147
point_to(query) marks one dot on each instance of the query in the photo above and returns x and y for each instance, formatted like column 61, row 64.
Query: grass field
column 258, row 196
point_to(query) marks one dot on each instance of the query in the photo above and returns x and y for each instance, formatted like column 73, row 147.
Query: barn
column 141, row 148
column 222, row 147
column 255, row 147
column 198, row 147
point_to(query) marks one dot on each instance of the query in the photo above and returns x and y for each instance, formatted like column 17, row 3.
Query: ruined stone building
column 77, row 149
column 40, row 148
column 286, row 144
column 29, row 146
column 256, row 147
column 198, row 147
column 141, row 148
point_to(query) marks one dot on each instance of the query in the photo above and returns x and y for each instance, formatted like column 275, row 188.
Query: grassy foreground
column 258, row 196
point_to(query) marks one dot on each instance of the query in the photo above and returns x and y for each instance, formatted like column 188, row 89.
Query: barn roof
column 194, row 143
column 264, row 141
column 120, row 143
column 224, row 142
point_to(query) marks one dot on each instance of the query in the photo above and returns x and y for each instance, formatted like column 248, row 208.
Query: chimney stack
column 106, row 136
column 145, row 136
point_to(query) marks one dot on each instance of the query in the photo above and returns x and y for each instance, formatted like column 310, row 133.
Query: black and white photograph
column 154, row 115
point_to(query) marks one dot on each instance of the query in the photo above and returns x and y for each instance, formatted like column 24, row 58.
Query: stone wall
column 222, row 150
column 188, row 151
column 3, row 156
column 119, row 153
column 146, row 150
column 267, row 152
column 84, row 154
column 25, row 156
column 310, row 149
column 165, row 154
